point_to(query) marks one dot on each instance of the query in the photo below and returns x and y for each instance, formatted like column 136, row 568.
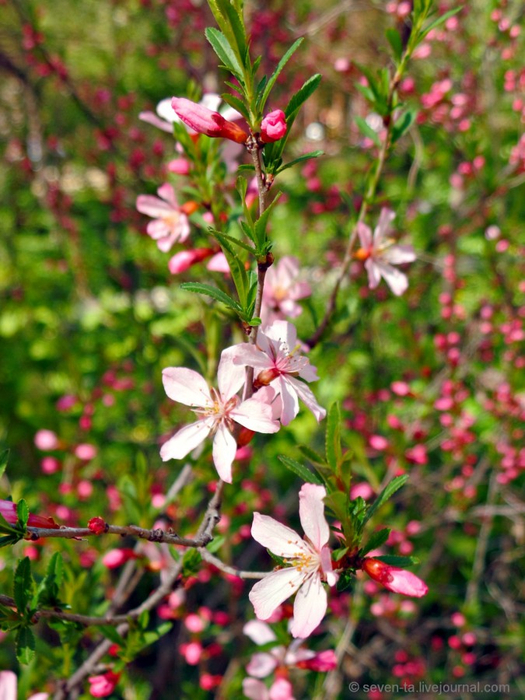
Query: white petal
column 230, row 376
column 255, row 416
column 278, row 538
column 166, row 111
column 307, row 397
column 186, row 439
column 272, row 590
column 254, row 689
column 399, row 254
column 186, row 386
column 152, row 118
column 290, row 401
column 224, row 449
column 250, row 356
column 309, row 373
column 282, row 332
column 309, row 608
column 153, row 206
column 396, row 280
column 311, row 514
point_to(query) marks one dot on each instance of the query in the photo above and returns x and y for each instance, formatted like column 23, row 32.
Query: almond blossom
column 282, row 290
column 395, row 579
column 277, row 363
column 309, row 562
column 380, row 252
column 170, row 224
column 218, row 411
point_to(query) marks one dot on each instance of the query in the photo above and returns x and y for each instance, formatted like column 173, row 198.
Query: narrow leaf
column 387, row 493
column 22, row 512
column 377, row 540
column 236, row 103
column 438, row 21
column 367, row 131
column 217, row 294
column 284, row 60
column 301, row 159
column 4, row 457
column 394, row 39
column 23, row 585
column 312, row 455
column 297, row 468
column 25, row 645
column 333, row 437
column 224, row 51
column 300, row 97
column 403, row 124
column 401, row 562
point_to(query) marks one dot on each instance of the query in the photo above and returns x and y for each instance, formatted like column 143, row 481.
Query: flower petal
column 153, row 206
column 254, row 689
column 307, row 397
column 224, row 449
column 278, row 538
column 311, row 514
column 382, row 230
column 396, row 280
column 186, row 386
column 186, row 439
column 230, row 375
column 398, row 254
column 374, row 274
column 272, row 590
column 255, row 416
column 365, row 235
column 290, row 401
column 251, row 356
column 261, row 665
column 309, row 608
column 151, row 118
column 259, row 632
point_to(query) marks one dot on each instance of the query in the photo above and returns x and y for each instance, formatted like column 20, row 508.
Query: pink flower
column 103, row 684
column 381, row 252
column 309, row 559
column 170, row 224
column 165, row 116
column 182, row 261
column 205, row 121
column 8, row 688
column 273, row 126
column 395, row 579
column 46, row 440
column 218, row 411
column 281, row 689
column 282, row 290
column 179, row 166
column 117, row 557
column 278, row 363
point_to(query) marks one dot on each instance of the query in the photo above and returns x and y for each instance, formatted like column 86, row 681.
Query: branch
column 211, row 559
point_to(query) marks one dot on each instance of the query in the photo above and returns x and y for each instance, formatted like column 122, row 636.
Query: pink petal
column 396, row 280
column 399, row 254
column 152, row 118
column 309, row 608
column 382, row 230
column 259, row 632
column 282, row 332
column 307, row 397
column 230, row 376
column 158, row 228
column 272, row 590
column 152, row 206
column 167, row 193
column 406, row 582
column 290, row 401
column 326, row 565
column 311, row 514
column 278, row 538
column 365, row 235
column 250, row 356
column 309, row 373
column 255, row 416
column 300, row 290
column 254, row 689
column 8, row 683
column 219, row 263
column 186, row 386
column 224, row 449
column 186, row 439
column 281, row 690
column 374, row 274
column 261, row 665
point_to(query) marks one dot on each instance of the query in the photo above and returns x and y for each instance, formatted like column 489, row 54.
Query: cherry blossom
column 309, row 564
column 278, row 363
column 380, row 253
column 170, row 224
column 218, row 412
column 395, row 579
column 282, row 290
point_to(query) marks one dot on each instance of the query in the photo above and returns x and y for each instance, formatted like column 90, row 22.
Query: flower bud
column 395, row 579
column 204, row 121
column 273, row 126
column 97, row 525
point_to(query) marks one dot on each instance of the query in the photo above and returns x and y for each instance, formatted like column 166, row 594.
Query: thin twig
column 225, row 568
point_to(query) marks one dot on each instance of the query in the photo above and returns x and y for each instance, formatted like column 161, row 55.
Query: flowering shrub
column 173, row 407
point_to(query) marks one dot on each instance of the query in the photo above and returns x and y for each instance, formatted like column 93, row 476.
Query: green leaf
column 301, row 159
column 437, row 22
column 49, row 587
column 23, row 585
column 25, row 645
column 387, row 493
column 366, row 92
column 216, row 544
column 235, row 241
column 403, row 124
column 312, row 455
column 261, row 223
column 394, row 39
column 224, row 51
column 297, row 468
column 333, row 437
column 300, row 97
column 4, row 457
column 401, row 562
column 377, row 540
column 236, row 103
column 7, row 527
column 237, row 269
column 111, row 633
column 367, row 131
column 213, row 292
column 284, row 60
column 22, row 512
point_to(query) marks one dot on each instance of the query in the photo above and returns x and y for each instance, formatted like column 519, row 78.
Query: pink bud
column 85, row 451
column 395, row 579
column 46, row 440
column 97, row 525
column 324, row 661
column 273, row 126
column 104, row 684
column 116, row 557
column 179, row 166
column 182, row 261
column 204, row 121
